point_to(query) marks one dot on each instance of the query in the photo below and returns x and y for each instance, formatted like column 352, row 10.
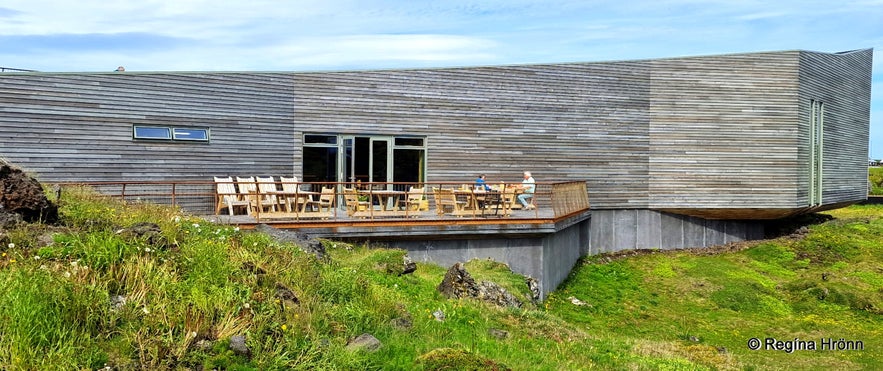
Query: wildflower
column 177, row 219
column 43, row 266
column 246, row 305
column 236, row 229
column 147, row 249
column 12, row 260
column 254, row 244
column 36, row 257
column 195, row 225
column 4, row 255
column 67, row 274
column 218, row 231
column 74, row 263
column 11, row 245
column 145, row 310
column 284, row 327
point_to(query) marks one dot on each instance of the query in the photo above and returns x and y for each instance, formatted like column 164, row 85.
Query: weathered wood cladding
column 842, row 82
column 723, row 132
column 571, row 121
column 78, row 127
column 717, row 137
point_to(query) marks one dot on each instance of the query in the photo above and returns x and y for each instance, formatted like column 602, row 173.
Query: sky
column 322, row 35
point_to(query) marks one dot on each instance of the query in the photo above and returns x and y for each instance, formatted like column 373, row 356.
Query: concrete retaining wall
column 615, row 230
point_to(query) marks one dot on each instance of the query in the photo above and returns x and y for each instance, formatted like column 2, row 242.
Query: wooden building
column 676, row 152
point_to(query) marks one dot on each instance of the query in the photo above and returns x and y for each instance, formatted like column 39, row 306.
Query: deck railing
column 551, row 200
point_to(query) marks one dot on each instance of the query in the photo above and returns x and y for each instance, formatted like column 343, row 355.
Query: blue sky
column 264, row 35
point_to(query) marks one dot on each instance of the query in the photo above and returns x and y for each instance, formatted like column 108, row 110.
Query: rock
column 366, row 342
column 238, row 346
column 148, row 232
column 401, row 324
column 497, row 333
column 439, row 315
column 575, row 301
column 410, row 266
column 23, row 195
column 458, row 283
column 117, row 302
column 305, row 242
column 285, row 295
column 493, row 293
column 534, row 286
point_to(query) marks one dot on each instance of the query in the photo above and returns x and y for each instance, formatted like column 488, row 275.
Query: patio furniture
column 227, row 196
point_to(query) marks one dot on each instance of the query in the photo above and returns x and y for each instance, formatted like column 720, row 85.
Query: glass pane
column 322, row 139
column 379, row 157
column 152, row 132
column 408, row 166
column 320, row 165
column 409, row 142
column 191, row 134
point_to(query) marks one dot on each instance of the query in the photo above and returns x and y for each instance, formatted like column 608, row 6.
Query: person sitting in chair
column 528, row 185
column 480, row 183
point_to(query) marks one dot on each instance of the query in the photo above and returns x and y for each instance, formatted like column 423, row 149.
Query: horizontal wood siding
column 724, row 132
column 561, row 122
column 78, row 127
column 716, row 133
column 842, row 82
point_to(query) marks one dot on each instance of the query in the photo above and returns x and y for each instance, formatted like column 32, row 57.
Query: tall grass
column 86, row 295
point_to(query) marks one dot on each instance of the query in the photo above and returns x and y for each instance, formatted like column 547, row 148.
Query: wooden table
column 386, row 198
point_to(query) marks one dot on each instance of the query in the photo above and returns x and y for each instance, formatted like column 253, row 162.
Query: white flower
column 195, row 225
column 236, row 229
column 246, row 305
column 74, row 263
column 11, row 245
column 146, row 249
column 145, row 310
column 177, row 219
column 67, row 274
column 36, row 257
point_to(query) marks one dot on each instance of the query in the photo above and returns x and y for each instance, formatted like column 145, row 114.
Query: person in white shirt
column 528, row 185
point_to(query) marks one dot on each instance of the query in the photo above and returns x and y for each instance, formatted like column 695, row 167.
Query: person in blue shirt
column 480, row 183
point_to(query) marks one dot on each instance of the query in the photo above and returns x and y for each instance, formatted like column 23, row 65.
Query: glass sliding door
column 365, row 159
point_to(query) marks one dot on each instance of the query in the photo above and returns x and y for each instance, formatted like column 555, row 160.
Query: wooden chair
column 354, row 207
column 415, row 200
column 446, row 198
column 227, row 196
column 267, row 189
column 291, row 199
column 248, row 191
column 326, row 200
column 507, row 200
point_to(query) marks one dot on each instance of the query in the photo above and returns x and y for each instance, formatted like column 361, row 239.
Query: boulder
column 366, row 342
column 22, row 195
column 151, row 233
column 458, row 283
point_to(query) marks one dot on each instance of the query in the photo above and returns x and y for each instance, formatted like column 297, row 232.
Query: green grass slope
column 87, row 295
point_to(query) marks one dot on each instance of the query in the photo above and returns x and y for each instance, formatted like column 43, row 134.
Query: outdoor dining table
column 387, row 199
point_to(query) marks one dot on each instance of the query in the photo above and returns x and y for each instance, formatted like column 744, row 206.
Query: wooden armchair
column 267, row 189
column 292, row 199
column 227, row 196
column 325, row 201
column 248, row 190
column 415, row 200
column 353, row 205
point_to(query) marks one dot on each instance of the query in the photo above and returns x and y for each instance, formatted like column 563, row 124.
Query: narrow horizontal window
column 409, row 142
column 152, row 132
column 323, row 139
column 191, row 134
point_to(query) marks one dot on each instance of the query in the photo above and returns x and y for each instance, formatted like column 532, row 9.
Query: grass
column 875, row 178
column 86, row 295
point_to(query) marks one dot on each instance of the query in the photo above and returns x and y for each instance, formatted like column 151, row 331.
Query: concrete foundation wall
column 548, row 258
column 615, row 230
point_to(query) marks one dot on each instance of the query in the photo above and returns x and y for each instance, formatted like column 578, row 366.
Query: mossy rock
column 456, row 359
